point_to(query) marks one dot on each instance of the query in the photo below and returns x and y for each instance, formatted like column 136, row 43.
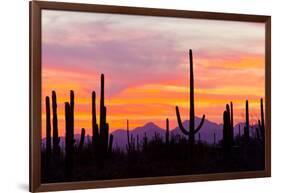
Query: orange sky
column 146, row 68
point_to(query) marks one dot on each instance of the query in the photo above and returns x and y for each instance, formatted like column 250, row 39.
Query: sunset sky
column 145, row 63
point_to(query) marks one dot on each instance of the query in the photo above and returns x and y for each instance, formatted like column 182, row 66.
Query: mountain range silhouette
column 150, row 129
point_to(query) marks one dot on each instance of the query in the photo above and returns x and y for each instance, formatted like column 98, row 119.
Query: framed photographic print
column 123, row 96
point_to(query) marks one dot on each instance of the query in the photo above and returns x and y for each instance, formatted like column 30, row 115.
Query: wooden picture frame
column 36, row 8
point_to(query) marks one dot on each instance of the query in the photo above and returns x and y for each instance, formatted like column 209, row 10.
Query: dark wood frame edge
column 35, row 8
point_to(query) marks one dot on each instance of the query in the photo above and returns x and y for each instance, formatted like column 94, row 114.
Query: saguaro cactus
column 192, row 131
column 95, row 128
column 56, row 139
column 110, row 143
column 48, row 130
column 69, row 141
column 167, row 131
column 231, row 121
column 69, row 134
column 261, row 128
column 227, row 131
column 129, row 140
column 246, row 128
column 101, row 141
column 72, row 112
column 82, row 138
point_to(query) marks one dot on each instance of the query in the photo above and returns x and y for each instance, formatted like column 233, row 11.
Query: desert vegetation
column 96, row 158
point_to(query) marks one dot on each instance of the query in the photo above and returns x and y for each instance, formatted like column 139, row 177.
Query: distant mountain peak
column 150, row 124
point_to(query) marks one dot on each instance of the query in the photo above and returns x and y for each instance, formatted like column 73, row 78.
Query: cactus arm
column 110, row 143
column 200, row 125
column 180, row 122
column 82, row 138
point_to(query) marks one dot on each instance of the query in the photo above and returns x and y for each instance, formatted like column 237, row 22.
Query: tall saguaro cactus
column 56, row 139
column 231, row 121
column 246, row 128
column 227, row 130
column 95, row 128
column 101, row 140
column 261, row 128
column 68, row 141
column 192, row 130
column 48, row 130
column 69, row 134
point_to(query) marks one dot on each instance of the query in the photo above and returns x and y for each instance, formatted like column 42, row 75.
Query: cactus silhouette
column 167, row 131
column 101, row 141
column 95, row 128
column 246, row 128
column 48, row 131
column 110, row 143
column 192, row 131
column 69, row 135
column 69, row 141
column 231, row 121
column 56, row 139
column 227, row 130
column 164, row 154
column 82, row 138
column 129, row 145
column 261, row 128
